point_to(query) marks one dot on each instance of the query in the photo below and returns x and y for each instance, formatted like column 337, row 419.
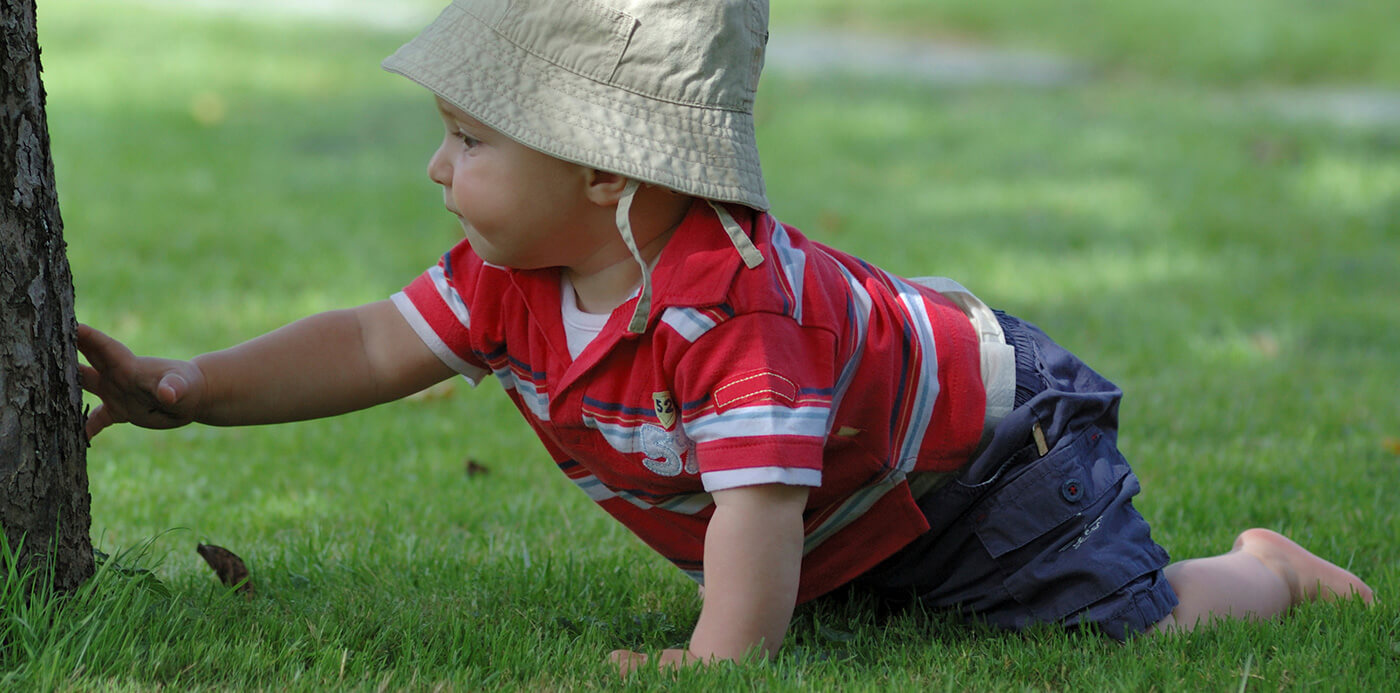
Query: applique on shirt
column 756, row 386
column 667, row 452
column 665, row 408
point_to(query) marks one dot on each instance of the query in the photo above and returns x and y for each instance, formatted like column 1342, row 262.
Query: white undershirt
column 580, row 327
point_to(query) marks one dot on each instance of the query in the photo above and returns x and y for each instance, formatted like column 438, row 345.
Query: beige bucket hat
column 660, row 91
column 657, row 90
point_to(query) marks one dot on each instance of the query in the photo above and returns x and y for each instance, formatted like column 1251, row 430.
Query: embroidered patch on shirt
column 755, row 387
column 665, row 407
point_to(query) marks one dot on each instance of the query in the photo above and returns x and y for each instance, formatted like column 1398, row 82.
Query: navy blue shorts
column 1019, row 537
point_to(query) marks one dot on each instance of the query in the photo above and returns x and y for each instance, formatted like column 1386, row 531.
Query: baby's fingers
column 100, row 350
column 99, row 419
column 89, row 378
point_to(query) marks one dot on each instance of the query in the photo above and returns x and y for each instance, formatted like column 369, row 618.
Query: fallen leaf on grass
column 1392, row 444
column 475, row 468
column 228, row 566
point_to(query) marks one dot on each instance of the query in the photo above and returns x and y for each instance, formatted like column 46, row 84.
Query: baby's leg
column 1262, row 576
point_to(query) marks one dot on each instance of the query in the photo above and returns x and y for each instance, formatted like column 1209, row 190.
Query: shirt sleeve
column 436, row 308
column 756, row 396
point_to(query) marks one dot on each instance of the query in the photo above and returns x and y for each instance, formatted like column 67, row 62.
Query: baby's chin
column 494, row 258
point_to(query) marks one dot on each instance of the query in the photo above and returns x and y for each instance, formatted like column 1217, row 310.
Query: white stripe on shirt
column 450, row 296
column 472, row 374
column 794, row 265
column 755, row 476
column 759, row 421
column 690, row 323
column 537, row 402
column 925, row 389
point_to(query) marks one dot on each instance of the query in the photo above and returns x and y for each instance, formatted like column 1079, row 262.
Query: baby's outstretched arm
column 753, row 559
column 326, row 364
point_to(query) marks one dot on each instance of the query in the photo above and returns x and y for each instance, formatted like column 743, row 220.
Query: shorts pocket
column 1064, row 534
column 1068, row 481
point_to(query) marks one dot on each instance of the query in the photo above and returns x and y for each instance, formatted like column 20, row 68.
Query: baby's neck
column 605, row 289
column 656, row 214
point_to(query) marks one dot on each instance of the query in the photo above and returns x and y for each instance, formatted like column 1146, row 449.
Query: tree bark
column 43, row 452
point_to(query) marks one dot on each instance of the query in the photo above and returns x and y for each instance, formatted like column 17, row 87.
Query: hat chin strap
column 638, row 324
column 747, row 251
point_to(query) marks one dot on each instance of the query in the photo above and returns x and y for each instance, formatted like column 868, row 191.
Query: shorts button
column 1072, row 490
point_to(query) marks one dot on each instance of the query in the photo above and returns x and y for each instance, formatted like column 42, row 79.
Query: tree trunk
column 43, row 452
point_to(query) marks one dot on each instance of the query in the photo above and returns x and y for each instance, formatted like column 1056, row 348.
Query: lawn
column 1231, row 265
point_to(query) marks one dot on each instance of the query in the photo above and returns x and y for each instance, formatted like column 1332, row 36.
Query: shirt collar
column 698, row 265
column 696, row 268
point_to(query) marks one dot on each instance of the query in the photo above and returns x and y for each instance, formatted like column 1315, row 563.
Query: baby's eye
column 468, row 140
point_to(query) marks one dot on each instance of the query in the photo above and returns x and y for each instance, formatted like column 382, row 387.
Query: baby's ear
column 604, row 188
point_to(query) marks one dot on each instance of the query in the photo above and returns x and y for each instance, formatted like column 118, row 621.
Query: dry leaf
column 475, row 468
column 228, row 566
column 1392, row 444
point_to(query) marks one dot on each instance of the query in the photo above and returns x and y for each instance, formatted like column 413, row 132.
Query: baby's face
column 518, row 207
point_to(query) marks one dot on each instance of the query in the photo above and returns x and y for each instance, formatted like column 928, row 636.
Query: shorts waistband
column 1014, row 332
column 997, row 358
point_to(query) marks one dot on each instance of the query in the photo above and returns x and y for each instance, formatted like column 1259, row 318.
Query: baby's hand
column 149, row 392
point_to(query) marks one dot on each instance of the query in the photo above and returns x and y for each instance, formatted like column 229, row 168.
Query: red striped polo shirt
column 814, row 369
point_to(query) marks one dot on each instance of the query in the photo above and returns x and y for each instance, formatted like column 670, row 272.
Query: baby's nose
column 438, row 169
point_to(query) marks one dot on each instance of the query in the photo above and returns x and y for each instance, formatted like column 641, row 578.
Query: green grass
column 1232, row 268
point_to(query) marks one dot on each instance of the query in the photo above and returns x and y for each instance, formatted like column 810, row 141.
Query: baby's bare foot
column 1308, row 576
